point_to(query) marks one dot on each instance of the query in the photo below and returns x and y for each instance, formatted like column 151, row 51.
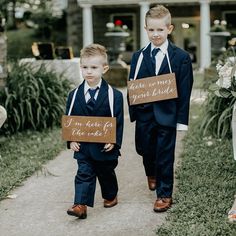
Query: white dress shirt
column 87, row 87
column 160, row 55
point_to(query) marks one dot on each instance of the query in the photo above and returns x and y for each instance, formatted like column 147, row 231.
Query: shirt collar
column 87, row 87
column 163, row 47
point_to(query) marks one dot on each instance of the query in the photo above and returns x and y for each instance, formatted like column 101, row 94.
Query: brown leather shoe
column 78, row 211
column 111, row 203
column 151, row 182
column 162, row 204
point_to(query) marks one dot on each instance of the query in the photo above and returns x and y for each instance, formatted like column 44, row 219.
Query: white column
column 87, row 24
column 144, row 7
column 205, row 41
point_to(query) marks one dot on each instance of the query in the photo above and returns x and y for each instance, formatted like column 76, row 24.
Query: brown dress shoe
column 111, row 203
column 151, row 182
column 78, row 211
column 162, row 204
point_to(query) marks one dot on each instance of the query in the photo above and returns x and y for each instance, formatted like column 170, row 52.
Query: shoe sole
column 109, row 206
column 83, row 216
column 161, row 209
column 152, row 189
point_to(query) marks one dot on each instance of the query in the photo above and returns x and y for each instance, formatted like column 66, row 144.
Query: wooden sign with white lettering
column 89, row 129
column 151, row 89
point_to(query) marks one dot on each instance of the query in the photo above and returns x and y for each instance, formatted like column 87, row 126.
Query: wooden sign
column 151, row 89
column 89, row 129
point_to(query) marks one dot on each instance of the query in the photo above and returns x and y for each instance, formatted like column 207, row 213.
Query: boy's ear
column 105, row 69
column 170, row 29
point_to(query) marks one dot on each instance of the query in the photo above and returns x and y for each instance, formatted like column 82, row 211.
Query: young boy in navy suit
column 95, row 160
column 157, row 122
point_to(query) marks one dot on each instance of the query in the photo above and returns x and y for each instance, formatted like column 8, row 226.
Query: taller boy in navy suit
column 157, row 122
column 95, row 160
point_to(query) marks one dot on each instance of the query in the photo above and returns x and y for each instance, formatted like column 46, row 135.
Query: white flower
column 218, row 67
column 110, row 25
column 124, row 27
column 224, row 73
column 225, row 70
column 224, row 82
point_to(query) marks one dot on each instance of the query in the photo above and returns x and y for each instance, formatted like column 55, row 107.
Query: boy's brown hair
column 94, row 49
column 159, row 11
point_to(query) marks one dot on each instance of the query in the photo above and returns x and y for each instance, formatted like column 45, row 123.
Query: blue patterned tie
column 91, row 102
column 153, row 57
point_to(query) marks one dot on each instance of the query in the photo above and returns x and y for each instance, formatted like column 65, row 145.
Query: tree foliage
column 8, row 8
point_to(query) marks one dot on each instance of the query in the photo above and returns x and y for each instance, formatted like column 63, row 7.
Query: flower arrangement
column 221, row 99
column 225, row 86
column 219, row 26
column 117, row 26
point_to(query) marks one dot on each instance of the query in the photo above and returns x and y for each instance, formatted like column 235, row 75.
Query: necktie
column 153, row 57
column 91, row 102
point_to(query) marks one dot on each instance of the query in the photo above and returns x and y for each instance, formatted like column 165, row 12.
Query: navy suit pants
column 156, row 144
column 85, row 180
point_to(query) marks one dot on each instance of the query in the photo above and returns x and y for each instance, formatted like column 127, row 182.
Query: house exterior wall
column 103, row 11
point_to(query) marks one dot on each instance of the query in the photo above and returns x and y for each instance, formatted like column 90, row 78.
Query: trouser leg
column 85, row 183
column 165, row 151
column 146, row 145
column 105, row 171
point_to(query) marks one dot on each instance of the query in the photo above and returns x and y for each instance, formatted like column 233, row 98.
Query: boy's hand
column 108, row 147
column 75, row 146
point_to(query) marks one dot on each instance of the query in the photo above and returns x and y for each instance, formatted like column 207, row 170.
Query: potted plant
column 117, row 33
column 219, row 36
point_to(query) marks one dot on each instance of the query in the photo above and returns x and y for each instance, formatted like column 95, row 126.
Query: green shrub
column 34, row 99
column 217, row 116
column 221, row 98
column 25, row 37
column 22, row 37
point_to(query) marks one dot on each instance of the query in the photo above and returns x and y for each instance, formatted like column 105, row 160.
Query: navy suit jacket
column 101, row 108
column 172, row 111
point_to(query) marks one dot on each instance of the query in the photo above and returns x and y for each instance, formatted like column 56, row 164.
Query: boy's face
column 157, row 30
column 92, row 69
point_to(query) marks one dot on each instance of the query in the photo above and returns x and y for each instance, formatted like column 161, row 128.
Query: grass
column 206, row 186
column 24, row 153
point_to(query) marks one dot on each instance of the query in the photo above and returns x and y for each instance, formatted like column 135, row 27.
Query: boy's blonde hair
column 159, row 12
column 94, row 49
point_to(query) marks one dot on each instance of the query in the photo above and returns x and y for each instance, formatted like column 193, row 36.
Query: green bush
column 25, row 37
column 34, row 99
column 50, row 27
column 22, row 37
column 221, row 98
column 217, row 116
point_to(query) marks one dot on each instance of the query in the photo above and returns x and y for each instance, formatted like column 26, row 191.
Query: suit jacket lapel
column 147, row 59
column 164, row 66
column 102, row 95
column 80, row 99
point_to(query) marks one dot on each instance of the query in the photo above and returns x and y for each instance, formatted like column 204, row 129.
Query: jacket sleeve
column 184, row 91
column 68, row 102
column 119, row 114
column 131, row 76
